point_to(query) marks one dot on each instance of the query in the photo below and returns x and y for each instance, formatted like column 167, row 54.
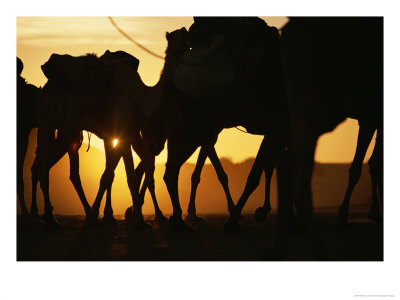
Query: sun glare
column 115, row 143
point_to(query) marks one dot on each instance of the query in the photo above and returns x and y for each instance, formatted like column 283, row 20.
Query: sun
column 115, row 143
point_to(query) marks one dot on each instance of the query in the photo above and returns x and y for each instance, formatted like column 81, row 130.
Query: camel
column 153, row 126
column 192, row 122
column 27, row 95
column 26, row 121
column 77, row 96
column 367, row 128
column 368, row 125
column 333, row 69
column 122, row 118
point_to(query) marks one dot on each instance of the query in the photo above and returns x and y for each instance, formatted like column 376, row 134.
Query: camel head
column 20, row 66
column 177, row 42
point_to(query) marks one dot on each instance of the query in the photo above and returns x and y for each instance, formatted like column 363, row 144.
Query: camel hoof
column 109, row 218
column 160, row 219
column 28, row 221
column 50, row 222
column 342, row 216
column 135, row 220
column 92, row 220
column 341, row 221
column 375, row 216
column 35, row 213
column 261, row 214
column 232, row 226
column 192, row 217
column 179, row 225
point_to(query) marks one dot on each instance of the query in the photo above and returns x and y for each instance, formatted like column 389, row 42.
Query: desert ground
column 362, row 240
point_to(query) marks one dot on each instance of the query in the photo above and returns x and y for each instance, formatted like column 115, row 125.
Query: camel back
column 333, row 66
column 235, row 62
column 89, row 85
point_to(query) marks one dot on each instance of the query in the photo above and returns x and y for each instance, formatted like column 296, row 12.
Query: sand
column 361, row 241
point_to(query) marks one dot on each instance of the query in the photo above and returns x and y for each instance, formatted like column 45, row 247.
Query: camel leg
column 304, row 150
column 45, row 137
column 178, row 153
column 376, row 171
column 112, row 159
column 134, row 215
column 75, row 177
column 365, row 135
column 158, row 215
column 267, row 155
column 294, row 182
column 201, row 159
column 108, row 211
column 262, row 212
column 23, row 140
column 55, row 154
column 35, row 180
column 148, row 162
column 301, row 163
column 63, row 144
column 285, row 196
column 222, row 177
column 147, row 166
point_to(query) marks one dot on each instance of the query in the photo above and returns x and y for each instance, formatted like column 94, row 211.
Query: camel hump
column 205, row 75
column 122, row 56
column 204, row 80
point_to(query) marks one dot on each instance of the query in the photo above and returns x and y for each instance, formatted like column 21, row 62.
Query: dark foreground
column 361, row 241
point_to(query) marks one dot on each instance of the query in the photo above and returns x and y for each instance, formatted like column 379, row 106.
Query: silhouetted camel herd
column 224, row 72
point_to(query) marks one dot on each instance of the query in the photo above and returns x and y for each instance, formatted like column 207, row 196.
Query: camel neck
column 169, row 68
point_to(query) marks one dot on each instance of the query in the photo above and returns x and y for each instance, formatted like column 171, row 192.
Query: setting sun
column 115, row 143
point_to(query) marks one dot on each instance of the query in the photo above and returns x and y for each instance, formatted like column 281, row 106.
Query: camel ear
column 167, row 35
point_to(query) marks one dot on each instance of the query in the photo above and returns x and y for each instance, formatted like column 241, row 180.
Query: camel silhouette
column 152, row 126
column 27, row 103
column 333, row 69
column 367, row 127
column 145, row 118
column 93, row 94
column 193, row 121
column 26, row 121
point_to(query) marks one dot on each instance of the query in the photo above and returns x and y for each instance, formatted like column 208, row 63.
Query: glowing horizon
column 39, row 37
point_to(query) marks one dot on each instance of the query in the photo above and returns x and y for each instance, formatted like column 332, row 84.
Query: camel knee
column 150, row 183
column 195, row 178
column 75, row 178
column 252, row 182
column 223, row 178
column 355, row 173
column 107, row 178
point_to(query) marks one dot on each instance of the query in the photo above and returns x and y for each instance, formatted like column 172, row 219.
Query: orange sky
column 39, row 37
